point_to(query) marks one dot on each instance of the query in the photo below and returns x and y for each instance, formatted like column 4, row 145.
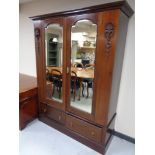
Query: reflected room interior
column 83, row 46
column 54, row 52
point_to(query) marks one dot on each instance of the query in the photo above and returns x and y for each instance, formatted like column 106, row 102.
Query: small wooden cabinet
column 28, row 100
column 80, row 99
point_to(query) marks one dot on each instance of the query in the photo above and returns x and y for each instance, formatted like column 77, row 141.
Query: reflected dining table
column 81, row 73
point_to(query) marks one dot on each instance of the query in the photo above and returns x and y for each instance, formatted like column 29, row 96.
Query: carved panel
column 109, row 33
column 37, row 36
column 37, row 33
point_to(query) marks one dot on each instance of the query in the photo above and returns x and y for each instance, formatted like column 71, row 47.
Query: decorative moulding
column 109, row 33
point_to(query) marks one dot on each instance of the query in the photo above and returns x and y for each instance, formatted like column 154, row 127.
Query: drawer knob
column 71, row 124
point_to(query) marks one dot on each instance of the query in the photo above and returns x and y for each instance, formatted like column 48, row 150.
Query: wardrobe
column 79, row 58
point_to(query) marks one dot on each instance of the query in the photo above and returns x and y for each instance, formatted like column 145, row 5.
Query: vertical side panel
column 38, row 50
column 106, row 48
column 123, row 25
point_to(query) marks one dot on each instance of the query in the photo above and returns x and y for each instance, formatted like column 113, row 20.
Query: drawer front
column 28, row 111
column 53, row 113
column 85, row 129
column 29, row 93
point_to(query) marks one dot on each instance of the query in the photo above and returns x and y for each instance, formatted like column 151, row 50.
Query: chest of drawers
column 28, row 107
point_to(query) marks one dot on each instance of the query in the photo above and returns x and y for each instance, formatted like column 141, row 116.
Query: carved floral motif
column 37, row 35
column 109, row 33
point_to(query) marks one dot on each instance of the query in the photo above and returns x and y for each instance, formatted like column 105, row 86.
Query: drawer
column 26, row 94
column 53, row 113
column 85, row 129
column 28, row 111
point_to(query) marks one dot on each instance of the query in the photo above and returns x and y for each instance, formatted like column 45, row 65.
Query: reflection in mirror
column 83, row 46
column 54, row 53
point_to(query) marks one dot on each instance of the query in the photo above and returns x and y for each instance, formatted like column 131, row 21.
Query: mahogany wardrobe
column 79, row 57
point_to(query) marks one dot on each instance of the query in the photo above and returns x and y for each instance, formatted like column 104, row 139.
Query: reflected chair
column 89, row 66
column 89, row 85
column 56, row 81
column 78, row 65
column 89, row 82
column 48, row 75
column 85, row 62
column 48, row 84
column 75, row 84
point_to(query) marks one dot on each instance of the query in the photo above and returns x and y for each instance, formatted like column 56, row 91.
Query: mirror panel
column 54, row 58
column 83, row 47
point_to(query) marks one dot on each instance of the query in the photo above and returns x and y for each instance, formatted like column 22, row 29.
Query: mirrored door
column 83, row 48
column 54, row 62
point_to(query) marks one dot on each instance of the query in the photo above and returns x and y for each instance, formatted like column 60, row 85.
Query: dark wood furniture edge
column 123, row 5
column 98, row 147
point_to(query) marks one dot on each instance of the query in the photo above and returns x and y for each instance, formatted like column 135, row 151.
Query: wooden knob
column 71, row 124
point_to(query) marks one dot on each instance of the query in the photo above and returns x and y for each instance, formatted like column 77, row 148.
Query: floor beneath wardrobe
column 40, row 139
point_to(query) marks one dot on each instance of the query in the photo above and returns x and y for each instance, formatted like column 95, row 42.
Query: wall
column 125, row 122
column 125, row 111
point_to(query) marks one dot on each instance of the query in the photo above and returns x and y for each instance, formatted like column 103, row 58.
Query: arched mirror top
column 54, row 26
column 85, row 25
column 47, row 22
column 56, row 30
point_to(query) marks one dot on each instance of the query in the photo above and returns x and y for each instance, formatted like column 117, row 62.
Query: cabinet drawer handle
column 71, row 124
